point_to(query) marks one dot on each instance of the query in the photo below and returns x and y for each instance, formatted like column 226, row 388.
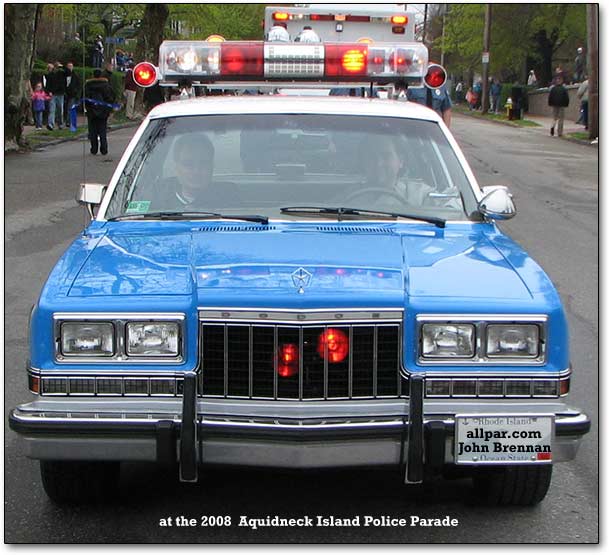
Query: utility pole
column 486, row 46
column 425, row 26
column 592, row 62
column 444, row 9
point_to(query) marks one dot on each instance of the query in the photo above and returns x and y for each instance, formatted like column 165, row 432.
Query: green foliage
column 232, row 21
column 513, row 35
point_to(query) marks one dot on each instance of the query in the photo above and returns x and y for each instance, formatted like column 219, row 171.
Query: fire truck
column 345, row 22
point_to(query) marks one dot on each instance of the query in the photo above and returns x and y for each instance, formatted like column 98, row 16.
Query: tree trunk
column 19, row 32
column 149, row 39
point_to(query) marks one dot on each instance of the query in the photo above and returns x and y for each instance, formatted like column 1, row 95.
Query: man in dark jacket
column 558, row 99
column 56, row 86
column 98, row 103
column 73, row 88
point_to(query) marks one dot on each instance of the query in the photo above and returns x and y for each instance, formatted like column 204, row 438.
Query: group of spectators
column 473, row 97
column 59, row 90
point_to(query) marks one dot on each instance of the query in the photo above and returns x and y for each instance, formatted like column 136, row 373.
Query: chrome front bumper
column 268, row 434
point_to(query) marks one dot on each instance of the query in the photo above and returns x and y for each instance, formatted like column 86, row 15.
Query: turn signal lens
column 354, row 61
column 333, row 344
column 399, row 20
column 280, row 16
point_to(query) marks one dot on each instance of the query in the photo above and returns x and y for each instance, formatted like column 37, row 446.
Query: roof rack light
column 207, row 62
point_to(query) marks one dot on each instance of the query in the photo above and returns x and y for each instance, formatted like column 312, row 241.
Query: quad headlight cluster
column 481, row 341
column 119, row 337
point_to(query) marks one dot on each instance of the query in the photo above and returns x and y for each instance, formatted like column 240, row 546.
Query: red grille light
column 145, row 74
column 288, row 360
column 337, row 344
column 436, row 76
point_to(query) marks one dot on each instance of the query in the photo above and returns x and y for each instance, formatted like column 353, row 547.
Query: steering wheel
column 374, row 193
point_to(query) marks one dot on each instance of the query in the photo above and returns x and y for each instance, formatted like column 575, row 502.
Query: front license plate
column 503, row 439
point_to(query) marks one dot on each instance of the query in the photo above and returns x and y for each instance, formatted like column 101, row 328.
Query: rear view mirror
column 497, row 203
column 91, row 195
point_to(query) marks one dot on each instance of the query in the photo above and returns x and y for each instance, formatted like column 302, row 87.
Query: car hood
column 299, row 265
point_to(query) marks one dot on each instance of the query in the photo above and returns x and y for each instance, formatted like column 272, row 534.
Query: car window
column 260, row 163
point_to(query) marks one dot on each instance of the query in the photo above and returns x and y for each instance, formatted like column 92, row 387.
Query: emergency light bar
column 207, row 62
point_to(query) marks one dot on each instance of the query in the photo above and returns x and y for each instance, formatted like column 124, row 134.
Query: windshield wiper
column 342, row 211
column 191, row 216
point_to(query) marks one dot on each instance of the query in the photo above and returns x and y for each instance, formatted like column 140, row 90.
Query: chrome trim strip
column 119, row 321
column 311, row 316
column 271, row 423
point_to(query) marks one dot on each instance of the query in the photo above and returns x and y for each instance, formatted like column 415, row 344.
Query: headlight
column 448, row 340
column 87, row 339
column 512, row 340
column 153, row 339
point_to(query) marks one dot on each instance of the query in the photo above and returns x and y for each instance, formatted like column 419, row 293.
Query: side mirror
column 497, row 203
column 91, row 195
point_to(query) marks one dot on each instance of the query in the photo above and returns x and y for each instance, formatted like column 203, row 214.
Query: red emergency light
column 287, row 360
column 203, row 62
column 145, row 74
column 436, row 76
column 347, row 59
column 245, row 59
column 333, row 344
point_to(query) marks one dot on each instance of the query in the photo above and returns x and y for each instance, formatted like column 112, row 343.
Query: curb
column 54, row 142
column 571, row 139
column 501, row 122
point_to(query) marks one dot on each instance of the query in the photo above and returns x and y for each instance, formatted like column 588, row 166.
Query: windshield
column 259, row 164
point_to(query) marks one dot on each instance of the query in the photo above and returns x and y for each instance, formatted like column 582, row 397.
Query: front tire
column 512, row 485
column 71, row 482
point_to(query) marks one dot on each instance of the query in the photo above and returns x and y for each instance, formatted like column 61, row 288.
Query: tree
column 19, row 32
column 522, row 34
column 232, row 21
column 149, row 39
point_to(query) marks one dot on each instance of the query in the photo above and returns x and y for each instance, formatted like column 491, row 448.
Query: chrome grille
column 241, row 360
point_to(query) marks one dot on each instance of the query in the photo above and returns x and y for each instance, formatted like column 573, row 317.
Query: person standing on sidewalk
column 56, row 85
column 130, row 92
column 73, row 89
column 558, row 99
column 582, row 94
column 98, row 102
column 495, row 94
column 39, row 98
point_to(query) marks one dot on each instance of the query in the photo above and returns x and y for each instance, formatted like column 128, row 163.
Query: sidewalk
column 43, row 137
column 542, row 128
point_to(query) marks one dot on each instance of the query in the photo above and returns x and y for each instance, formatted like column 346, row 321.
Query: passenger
column 191, row 187
column 307, row 35
column 279, row 33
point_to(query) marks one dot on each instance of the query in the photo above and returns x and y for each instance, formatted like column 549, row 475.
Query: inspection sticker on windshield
column 138, row 207
column 503, row 439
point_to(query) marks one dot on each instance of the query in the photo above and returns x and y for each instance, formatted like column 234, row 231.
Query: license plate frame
column 476, row 436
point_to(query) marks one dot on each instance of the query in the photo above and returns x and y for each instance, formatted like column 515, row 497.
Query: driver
column 386, row 170
column 191, row 188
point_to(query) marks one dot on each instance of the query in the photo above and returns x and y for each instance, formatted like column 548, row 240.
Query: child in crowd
column 39, row 97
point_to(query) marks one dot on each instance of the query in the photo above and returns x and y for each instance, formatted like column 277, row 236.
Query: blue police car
column 300, row 282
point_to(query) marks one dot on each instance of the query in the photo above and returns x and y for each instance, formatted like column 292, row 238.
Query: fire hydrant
column 510, row 108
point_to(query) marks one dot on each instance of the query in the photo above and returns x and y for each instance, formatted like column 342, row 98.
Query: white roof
column 276, row 104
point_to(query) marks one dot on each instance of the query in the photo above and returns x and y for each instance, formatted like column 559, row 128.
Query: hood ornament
column 301, row 279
